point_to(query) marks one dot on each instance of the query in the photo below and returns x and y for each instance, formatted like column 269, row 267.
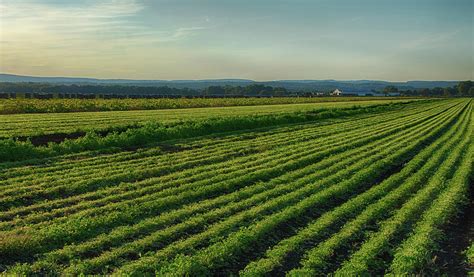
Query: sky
column 251, row 39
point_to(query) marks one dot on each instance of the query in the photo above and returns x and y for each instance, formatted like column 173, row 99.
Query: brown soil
column 460, row 235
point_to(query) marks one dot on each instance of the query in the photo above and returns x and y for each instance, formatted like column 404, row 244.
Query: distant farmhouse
column 336, row 92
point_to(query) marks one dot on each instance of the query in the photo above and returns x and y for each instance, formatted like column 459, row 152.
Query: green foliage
column 465, row 88
column 470, row 259
column 319, row 259
column 62, row 124
column 19, row 106
column 153, row 132
column 390, row 89
column 11, row 149
column 462, row 89
column 361, row 190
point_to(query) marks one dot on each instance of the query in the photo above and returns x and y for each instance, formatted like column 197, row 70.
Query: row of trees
column 464, row 88
column 44, row 88
column 250, row 90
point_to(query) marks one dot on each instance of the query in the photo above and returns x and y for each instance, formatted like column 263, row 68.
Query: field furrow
column 359, row 190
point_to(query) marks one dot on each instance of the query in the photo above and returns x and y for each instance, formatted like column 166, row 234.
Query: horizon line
column 229, row 78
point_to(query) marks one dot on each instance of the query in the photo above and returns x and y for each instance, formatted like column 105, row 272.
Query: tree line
column 464, row 88
column 45, row 88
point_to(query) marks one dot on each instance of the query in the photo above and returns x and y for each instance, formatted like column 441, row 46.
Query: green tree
column 389, row 89
column 446, row 92
column 425, row 92
column 464, row 87
column 215, row 90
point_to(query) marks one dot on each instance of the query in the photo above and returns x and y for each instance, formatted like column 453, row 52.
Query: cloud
column 84, row 37
column 50, row 12
column 27, row 20
column 105, row 21
column 429, row 40
column 186, row 31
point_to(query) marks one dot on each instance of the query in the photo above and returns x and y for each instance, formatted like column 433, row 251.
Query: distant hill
column 352, row 86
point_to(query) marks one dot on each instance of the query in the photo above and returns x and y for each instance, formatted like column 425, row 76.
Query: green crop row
column 200, row 144
column 224, row 253
column 276, row 256
column 186, row 225
column 66, row 180
column 34, row 125
column 154, row 132
column 278, row 166
column 319, row 259
column 365, row 259
column 260, row 200
column 14, row 106
column 416, row 252
column 136, row 158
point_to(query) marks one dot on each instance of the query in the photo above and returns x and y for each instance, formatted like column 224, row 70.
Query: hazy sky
column 255, row 39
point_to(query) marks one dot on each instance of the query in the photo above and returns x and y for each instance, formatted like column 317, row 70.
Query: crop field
column 15, row 106
column 27, row 124
column 305, row 189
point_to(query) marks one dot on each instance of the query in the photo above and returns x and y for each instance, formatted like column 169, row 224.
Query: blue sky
column 260, row 39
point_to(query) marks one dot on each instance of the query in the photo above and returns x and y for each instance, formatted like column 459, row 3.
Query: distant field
column 298, row 190
column 15, row 106
column 16, row 125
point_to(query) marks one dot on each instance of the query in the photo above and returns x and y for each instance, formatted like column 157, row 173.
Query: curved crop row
column 223, row 253
column 153, row 132
column 29, row 190
column 94, row 164
column 51, row 123
column 416, row 253
column 173, row 231
column 364, row 260
column 318, row 260
column 279, row 254
column 254, row 201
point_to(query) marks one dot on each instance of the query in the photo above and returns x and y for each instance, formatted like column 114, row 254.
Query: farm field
column 21, row 125
column 296, row 190
column 21, row 105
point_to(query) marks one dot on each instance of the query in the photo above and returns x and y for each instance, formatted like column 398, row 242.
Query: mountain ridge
column 293, row 85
